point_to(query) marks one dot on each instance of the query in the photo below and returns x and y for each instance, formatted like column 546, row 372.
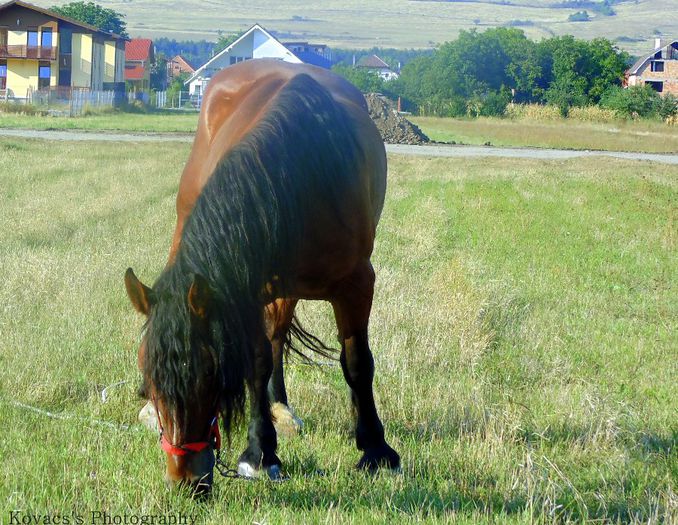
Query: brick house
column 178, row 66
column 659, row 69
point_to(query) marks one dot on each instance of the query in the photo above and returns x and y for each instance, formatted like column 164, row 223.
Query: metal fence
column 72, row 102
column 75, row 102
column 174, row 100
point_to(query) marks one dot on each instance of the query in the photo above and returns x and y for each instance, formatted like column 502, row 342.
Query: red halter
column 213, row 438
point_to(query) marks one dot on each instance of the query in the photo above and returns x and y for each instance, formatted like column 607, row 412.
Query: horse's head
column 180, row 363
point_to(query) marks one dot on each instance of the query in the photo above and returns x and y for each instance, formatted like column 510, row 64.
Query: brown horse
column 279, row 201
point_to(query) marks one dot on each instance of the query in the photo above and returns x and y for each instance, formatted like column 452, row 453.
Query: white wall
column 264, row 47
column 254, row 45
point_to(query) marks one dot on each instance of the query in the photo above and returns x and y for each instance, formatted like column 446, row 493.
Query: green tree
column 104, row 19
column 606, row 67
column 159, row 72
column 366, row 81
column 224, row 41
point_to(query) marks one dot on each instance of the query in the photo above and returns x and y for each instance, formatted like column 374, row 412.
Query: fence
column 175, row 100
column 72, row 101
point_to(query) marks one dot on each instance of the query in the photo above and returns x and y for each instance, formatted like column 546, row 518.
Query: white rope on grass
column 104, row 392
column 65, row 417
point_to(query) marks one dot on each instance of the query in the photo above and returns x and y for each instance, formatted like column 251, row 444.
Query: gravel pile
column 394, row 128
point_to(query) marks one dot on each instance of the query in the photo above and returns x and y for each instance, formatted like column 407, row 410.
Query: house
column 256, row 42
column 138, row 59
column 313, row 54
column 178, row 66
column 40, row 49
column 659, row 69
column 374, row 64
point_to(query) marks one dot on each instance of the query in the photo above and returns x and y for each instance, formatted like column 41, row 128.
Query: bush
column 532, row 112
column 632, row 102
column 443, row 107
column 667, row 108
column 579, row 16
column 592, row 114
column 565, row 93
column 494, row 104
column 22, row 109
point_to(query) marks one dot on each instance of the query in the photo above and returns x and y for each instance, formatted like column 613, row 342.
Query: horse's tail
column 299, row 339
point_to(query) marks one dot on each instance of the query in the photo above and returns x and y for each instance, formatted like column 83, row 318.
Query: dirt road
column 435, row 150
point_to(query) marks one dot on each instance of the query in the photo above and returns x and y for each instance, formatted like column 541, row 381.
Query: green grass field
column 524, row 332
column 391, row 23
column 155, row 122
column 620, row 135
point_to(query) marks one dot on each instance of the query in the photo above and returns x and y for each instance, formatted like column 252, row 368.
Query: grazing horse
column 279, row 201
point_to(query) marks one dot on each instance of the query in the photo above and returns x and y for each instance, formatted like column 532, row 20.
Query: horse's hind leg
column 352, row 302
column 279, row 316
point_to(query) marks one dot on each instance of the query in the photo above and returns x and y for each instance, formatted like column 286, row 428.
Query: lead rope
column 223, row 468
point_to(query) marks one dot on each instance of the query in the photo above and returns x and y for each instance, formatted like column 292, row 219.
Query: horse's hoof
column 148, row 417
column 382, row 457
column 273, row 473
column 285, row 421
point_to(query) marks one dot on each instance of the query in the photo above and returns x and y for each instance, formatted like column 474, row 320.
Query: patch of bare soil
column 394, row 128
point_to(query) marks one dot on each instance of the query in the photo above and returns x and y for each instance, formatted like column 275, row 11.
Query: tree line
column 480, row 73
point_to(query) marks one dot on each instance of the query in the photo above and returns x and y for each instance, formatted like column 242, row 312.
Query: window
column 657, row 66
column 32, row 38
column 65, row 41
column 46, row 38
column 657, row 86
column 44, row 74
column 3, row 74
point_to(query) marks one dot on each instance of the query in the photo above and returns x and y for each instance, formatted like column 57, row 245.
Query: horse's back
column 241, row 98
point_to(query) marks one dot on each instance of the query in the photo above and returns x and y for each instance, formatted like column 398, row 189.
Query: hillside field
column 524, row 332
column 392, row 23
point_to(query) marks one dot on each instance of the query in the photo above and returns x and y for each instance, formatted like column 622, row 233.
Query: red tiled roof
column 134, row 73
column 138, row 49
column 182, row 64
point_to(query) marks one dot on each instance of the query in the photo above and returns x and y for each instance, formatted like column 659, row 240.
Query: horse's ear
column 139, row 294
column 199, row 297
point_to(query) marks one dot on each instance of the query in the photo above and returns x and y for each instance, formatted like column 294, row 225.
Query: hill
column 399, row 23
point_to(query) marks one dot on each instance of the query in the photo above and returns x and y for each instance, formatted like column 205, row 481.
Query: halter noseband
column 213, row 438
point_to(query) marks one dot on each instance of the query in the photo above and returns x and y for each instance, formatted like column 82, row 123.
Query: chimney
column 657, row 43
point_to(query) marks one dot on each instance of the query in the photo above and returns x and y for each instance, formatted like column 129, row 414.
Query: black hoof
column 380, row 457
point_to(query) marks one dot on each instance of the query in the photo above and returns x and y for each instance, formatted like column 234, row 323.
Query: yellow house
column 40, row 49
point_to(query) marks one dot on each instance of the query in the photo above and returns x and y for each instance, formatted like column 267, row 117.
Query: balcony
column 33, row 52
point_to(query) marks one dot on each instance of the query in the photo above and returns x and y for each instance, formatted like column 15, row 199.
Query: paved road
column 436, row 150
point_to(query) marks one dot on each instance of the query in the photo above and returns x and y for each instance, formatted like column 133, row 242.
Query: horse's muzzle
column 194, row 471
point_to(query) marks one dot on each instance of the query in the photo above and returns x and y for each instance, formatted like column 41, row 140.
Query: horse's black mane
column 245, row 228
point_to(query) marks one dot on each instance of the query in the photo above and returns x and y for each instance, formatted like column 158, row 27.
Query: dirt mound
column 394, row 128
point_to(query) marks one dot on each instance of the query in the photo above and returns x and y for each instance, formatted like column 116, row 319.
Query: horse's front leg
column 259, row 456
column 279, row 315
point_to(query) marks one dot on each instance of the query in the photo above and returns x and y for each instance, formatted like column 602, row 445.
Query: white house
column 256, row 42
column 376, row 65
